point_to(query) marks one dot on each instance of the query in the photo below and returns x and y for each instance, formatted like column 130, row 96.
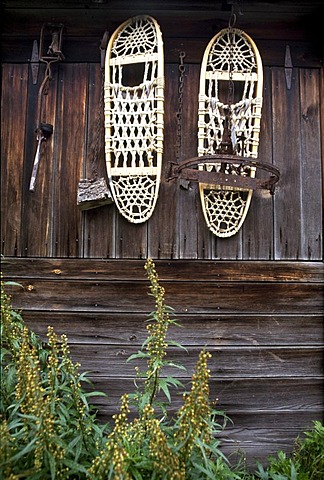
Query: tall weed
column 49, row 430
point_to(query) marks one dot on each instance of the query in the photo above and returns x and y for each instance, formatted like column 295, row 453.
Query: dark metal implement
column 43, row 132
column 50, row 52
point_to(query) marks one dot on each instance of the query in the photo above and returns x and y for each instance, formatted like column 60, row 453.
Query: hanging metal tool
column 50, row 51
column 44, row 131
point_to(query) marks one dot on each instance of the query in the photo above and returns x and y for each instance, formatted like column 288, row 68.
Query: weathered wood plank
column 133, row 241
column 162, row 226
column 267, row 414
column 70, row 151
column 176, row 270
column 188, row 193
column 256, row 444
column 13, row 124
column 131, row 238
column 190, row 6
column 99, row 223
column 227, row 362
column 311, row 219
column 83, row 296
column 273, row 397
column 83, row 47
column 258, row 225
column 287, row 157
column 201, row 20
column 114, row 328
column 37, row 207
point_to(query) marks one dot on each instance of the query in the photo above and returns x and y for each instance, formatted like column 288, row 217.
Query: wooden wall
column 254, row 300
column 262, row 322
column 48, row 223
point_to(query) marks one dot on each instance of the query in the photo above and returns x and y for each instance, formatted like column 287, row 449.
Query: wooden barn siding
column 48, row 223
column 262, row 319
column 262, row 322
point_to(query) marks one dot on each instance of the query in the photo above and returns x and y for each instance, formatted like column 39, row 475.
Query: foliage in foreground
column 48, row 429
column 152, row 446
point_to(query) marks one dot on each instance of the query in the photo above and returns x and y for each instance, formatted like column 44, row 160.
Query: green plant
column 152, row 446
column 280, row 467
column 309, row 452
column 49, row 431
column 47, row 427
column 305, row 463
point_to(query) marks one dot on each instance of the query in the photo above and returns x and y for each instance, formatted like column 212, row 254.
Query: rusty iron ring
column 186, row 171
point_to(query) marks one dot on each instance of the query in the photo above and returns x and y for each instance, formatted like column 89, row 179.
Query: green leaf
column 177, row 344
column 73, row 443
column 135, row 474
column 95, row 394
column 173, row 364
column 174, row 381
column 75, row 466
column 208, row 473
column 28, row 448
column 13, row 284
column 164, row 386
column 79, row 450
column 139, row 354
column 15, row 424
column 52, row 465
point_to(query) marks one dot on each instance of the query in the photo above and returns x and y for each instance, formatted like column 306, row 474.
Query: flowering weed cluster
column 152, row 446
column 47, row 427
column 48, row 430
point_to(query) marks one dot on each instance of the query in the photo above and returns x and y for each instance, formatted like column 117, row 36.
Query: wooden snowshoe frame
column 134, row 116
column 231, row 59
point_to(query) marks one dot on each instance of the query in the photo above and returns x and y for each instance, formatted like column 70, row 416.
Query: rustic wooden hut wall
column 256, row 299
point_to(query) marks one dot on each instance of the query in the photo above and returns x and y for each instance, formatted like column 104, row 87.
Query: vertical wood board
column 69, row 155
column 38, row 205
column 13, row 128
column 311, row 181
column 287, row 157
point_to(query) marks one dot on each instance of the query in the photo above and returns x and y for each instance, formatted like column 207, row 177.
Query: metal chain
column 227, row 144
column 182, row 55
column 231, row 25
column 98, row 127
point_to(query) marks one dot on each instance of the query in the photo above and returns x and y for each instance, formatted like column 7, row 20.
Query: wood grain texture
column 37, row 207
column 13, row 123
column 52, row 224
column 262, row 322
column 162, row 226
column 255, row 300
column 176, row 270
column 287, row 154
column 274, row 397
column 84, row 48
column 228, row 362
column 287, row 226
column 258, row 225
column 69, row 154
column 98, row 236
column 131, row 297
column 273, row 25
column 311, row 242
column 217, row 330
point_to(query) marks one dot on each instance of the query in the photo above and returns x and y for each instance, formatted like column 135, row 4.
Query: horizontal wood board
column 271, row 23
column 266, row 340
